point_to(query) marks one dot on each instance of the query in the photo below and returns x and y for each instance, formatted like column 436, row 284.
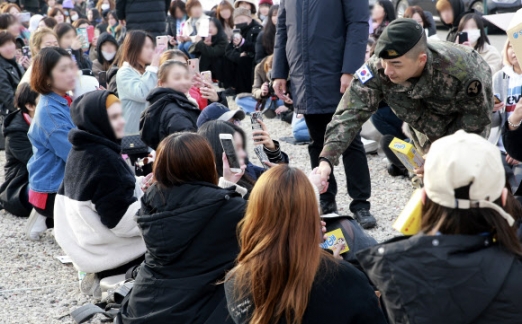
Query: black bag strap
column 86, row 312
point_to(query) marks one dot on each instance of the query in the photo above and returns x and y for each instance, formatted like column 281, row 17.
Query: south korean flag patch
column 364, row 74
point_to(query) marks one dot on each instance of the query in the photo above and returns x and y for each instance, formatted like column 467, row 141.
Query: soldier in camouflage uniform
column 437, row 88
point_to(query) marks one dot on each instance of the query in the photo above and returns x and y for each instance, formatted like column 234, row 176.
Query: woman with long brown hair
column 137, row 75
column 282, row 275
column 189, row 225
column 225, row 15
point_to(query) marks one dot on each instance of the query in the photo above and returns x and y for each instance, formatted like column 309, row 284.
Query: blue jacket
column 48, row 135
column 316, row 42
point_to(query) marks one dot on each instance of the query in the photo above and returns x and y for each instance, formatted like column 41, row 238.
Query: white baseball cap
column 460, row 160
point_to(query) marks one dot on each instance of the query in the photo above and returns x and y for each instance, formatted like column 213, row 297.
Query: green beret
column 400, row 36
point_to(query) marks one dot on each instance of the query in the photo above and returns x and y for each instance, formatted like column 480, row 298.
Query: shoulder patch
column 473, row 88
column 364, row 74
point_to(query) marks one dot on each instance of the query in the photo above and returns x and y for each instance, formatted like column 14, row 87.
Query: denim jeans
column 299, row 129
column 248, row 104
column 387, row 123
column 184, row 47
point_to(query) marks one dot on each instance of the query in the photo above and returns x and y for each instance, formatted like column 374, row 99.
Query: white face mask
column 105, row 6
column 108, row 56
column 473, row 35
column 74, row 17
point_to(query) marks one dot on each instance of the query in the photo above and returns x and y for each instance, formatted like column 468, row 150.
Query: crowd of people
column 114, row 118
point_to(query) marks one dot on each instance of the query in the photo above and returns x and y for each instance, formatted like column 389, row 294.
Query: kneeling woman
column 99, row 196
column 189, row 227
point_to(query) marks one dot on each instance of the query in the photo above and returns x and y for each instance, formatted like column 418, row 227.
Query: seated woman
column 211, row 50
column 466, row 263
column 106, row 50
column 477, row 39
column 170, row 110
column 70, row 40
column 273, row 282
column 177, row 283
column 211, row 130
column 99, row 197
column 507, row 84
column 14, row 192
column 191, row 27
column 40, row 39
column 203, row 92
column 382, row 14
column 54, row 74
column 424, row 18
column 10, row 72
column 261, row 98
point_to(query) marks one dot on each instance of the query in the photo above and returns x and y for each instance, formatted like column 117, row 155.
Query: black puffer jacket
column 249, row 34
column 148, row 15
column 190, row 234
column 450, row 279
column 18, row 151
column 169, row 112
column 10, row 75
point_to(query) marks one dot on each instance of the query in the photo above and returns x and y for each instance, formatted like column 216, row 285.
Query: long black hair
column 220, row 31
column 389, row 16
column 269, row 32
column 483, row 39
column 211, row 130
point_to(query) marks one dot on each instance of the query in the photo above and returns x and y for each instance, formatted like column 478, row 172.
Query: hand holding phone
column 463, row 37
column 162, row 41
column 236, row 37
column 102, row 79
column 232, row 160
column 193, row 66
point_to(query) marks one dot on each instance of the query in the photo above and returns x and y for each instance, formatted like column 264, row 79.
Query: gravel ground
column 36, row 288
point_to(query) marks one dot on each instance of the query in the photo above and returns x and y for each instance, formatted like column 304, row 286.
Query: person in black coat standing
column 241, row 50
column 320, row 54
column 148, row 15
column 170, row 110
column 18, row 150
column 189, row 226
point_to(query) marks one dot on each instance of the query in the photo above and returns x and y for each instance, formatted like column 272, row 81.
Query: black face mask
column 242, row 26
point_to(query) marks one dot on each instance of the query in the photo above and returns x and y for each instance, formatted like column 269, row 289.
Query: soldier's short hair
column 419, row 48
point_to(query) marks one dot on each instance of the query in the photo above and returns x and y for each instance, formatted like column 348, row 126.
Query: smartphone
column 227, row 142
column 162, row 41
column 193, row 66
column 26, row 51
column 102, row 79
column 207, row 76
column 255, row 117
column 497, row 98
column 261, row 155
column 204, row 26
column 90, row 33
column 24, row 17
column 236, row 34
column 85, row 37
column 463, row 37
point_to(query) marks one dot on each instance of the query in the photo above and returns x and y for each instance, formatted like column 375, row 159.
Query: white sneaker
column 35, row 226
column 90, row 284
column 370, row 146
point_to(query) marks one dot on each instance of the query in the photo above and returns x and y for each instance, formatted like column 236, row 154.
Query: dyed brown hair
column 410, row 11
column 191, row 4
column 172, row 54
column 111, row 3
column 35, row 42
column 223, row 5
column 8, row 7
column 184, row 158
column 43, row 65
column 132, row 47
column 280, row 253
column 165, row 68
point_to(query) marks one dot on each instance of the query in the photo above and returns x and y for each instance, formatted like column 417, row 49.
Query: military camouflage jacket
column 454, row 92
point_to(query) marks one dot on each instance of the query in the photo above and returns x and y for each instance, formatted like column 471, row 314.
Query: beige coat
column 492, row 56
column 187, row 27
